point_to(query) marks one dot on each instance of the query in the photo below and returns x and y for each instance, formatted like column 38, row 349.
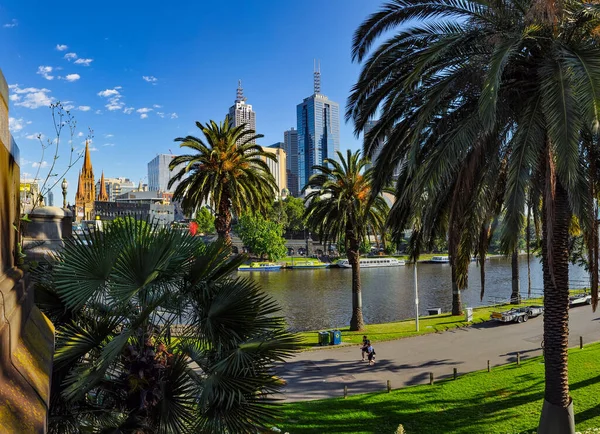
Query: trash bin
column 323, row 338
column 335, row 337
column 434, row 311
column 469, row 314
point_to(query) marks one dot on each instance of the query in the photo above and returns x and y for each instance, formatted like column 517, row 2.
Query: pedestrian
column 363, row 347
column 371, row 354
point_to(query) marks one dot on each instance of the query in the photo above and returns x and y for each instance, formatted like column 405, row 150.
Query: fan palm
column 227, row 170
column 113, row 297
column 342, row 208
column 462, row 73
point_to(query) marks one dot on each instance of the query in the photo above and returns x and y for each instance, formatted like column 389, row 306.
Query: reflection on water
column 318, row 299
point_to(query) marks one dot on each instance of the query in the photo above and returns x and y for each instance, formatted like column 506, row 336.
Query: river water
column 320, row 299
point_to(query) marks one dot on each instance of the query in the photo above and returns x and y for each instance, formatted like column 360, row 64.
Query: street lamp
column 64, row 186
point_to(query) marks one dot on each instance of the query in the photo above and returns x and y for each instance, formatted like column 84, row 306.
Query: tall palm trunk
column 223, row 220
column 515, row 296
column 356, row 322
column 456, row 299
column 557, row 414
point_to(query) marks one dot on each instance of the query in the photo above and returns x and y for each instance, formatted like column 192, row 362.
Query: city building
column 153, row 206
column 277, row 168
column 242, row 113
column 86, row 189
column 116, row 186
column 50, row 198
column 290, row 140
column 318, row 123
column 159, row 173
column 29, row 194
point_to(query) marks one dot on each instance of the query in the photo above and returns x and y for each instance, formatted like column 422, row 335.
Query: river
column 320, row 299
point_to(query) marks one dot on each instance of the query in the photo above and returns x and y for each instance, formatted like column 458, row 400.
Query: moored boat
column 260, row 266
column 439, row 260
column 373, row 262
column 307, row 264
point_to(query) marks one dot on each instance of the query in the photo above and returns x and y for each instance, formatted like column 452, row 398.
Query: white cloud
column 61, row 47
column 42, row 164
column 14, row 97
column 160, row 114
column 109, row 144
column 45, row 72
column 35, row 136
column 84, row 62
column 72, row 77
column 143, row 116
column 150, row 79
column 84, row 108
column 114, row 98
column 98, row 112
column 70, row 56
column 31, row 97
column 13, row 23
column 15, row 125
column 174, row 116
column 110, row 92
column 80, row 134
column 144, row 110
column 157, row 106
column 67, row 105
column 108, row 136
column 128, row 110
column 93, row 149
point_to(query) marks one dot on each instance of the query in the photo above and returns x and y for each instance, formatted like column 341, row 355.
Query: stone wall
column 26, row 335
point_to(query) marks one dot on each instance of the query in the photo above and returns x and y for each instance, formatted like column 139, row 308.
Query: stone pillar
column 26, row 335
column 45, row 232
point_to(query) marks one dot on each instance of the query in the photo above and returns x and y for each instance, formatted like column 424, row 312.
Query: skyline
column 140, row 89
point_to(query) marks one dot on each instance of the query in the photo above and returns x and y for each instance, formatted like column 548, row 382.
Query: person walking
column 371, row 354
column 363, row 347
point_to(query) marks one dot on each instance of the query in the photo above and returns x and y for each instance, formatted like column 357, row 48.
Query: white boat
column 439, row 260
column 373, row 262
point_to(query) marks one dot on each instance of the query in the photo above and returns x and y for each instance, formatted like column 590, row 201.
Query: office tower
column 290, row 140
column 318, row 122
column 242, row 113
column 50, row 198
column 277, row 168
column 159, row 173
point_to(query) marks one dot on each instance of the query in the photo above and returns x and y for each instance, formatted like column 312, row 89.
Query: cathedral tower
column 86, row 189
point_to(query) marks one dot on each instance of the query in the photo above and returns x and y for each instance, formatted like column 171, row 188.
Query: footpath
column 323, row 373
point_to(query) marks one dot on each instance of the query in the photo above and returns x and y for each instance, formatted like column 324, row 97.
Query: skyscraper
column 318, row 122
column 242, row 113
column 290, row 140
column 277, row 168
column 159, row 173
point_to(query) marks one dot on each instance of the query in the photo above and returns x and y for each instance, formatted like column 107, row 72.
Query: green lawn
column 403, row 329
column 507, row 400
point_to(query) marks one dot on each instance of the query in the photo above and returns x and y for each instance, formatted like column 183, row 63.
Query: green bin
column 323, row 338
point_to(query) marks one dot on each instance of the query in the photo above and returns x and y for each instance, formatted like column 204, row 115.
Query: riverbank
column 407, row 328
column 508, row 399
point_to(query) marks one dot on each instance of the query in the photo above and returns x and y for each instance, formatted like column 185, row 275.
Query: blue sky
column 95, row 55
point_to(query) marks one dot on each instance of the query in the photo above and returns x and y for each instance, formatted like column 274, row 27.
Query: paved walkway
column 405, row 362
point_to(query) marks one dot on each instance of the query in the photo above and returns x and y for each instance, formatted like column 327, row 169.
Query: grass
column 507, row 400
column 403, row 329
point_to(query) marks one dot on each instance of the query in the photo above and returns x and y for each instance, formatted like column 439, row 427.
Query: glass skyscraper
column 318, row 121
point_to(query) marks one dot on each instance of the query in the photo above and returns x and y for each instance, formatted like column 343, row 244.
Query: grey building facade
column 290, row 140
column 241, row 113
column 159, row 173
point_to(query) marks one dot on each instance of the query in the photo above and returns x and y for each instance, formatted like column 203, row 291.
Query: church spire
column 87, row 161
column 79, row 194
column 103, row 195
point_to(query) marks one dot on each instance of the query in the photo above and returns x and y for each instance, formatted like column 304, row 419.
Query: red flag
column 193, row 228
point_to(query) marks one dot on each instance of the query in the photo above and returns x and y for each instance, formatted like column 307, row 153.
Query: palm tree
column 227, row 170
column 460, row 74
column 342, row 208
column 113, row 297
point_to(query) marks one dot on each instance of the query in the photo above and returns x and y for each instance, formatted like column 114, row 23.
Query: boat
column 373, row 262
column 307, row 265
column 260, row 266
column 439, row 260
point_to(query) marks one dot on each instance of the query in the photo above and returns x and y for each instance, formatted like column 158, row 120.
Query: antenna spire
column 240, row 93
column 317, row 76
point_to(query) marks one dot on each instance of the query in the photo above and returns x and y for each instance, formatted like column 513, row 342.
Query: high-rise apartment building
column 318, row 122
column 277, row 168
column 159, row 173
column 242, row 113
column 290, row 141
column 116, row 186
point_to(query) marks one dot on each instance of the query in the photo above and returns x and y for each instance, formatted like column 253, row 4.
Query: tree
column 113, row 297
column 294, row 209
column 344, row 210
column 205, row 220
column 263, row 237
column 492, row 80
column 227, row 170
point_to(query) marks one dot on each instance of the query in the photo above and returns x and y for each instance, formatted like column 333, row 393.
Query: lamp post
column 64, row 186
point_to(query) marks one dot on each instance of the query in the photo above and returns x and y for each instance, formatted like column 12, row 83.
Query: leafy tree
column 263, row 237
column 492, row 106
column 113, row 297
column 227, row 170
column 294, row 209
column 205, row 220
column 345, row 209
